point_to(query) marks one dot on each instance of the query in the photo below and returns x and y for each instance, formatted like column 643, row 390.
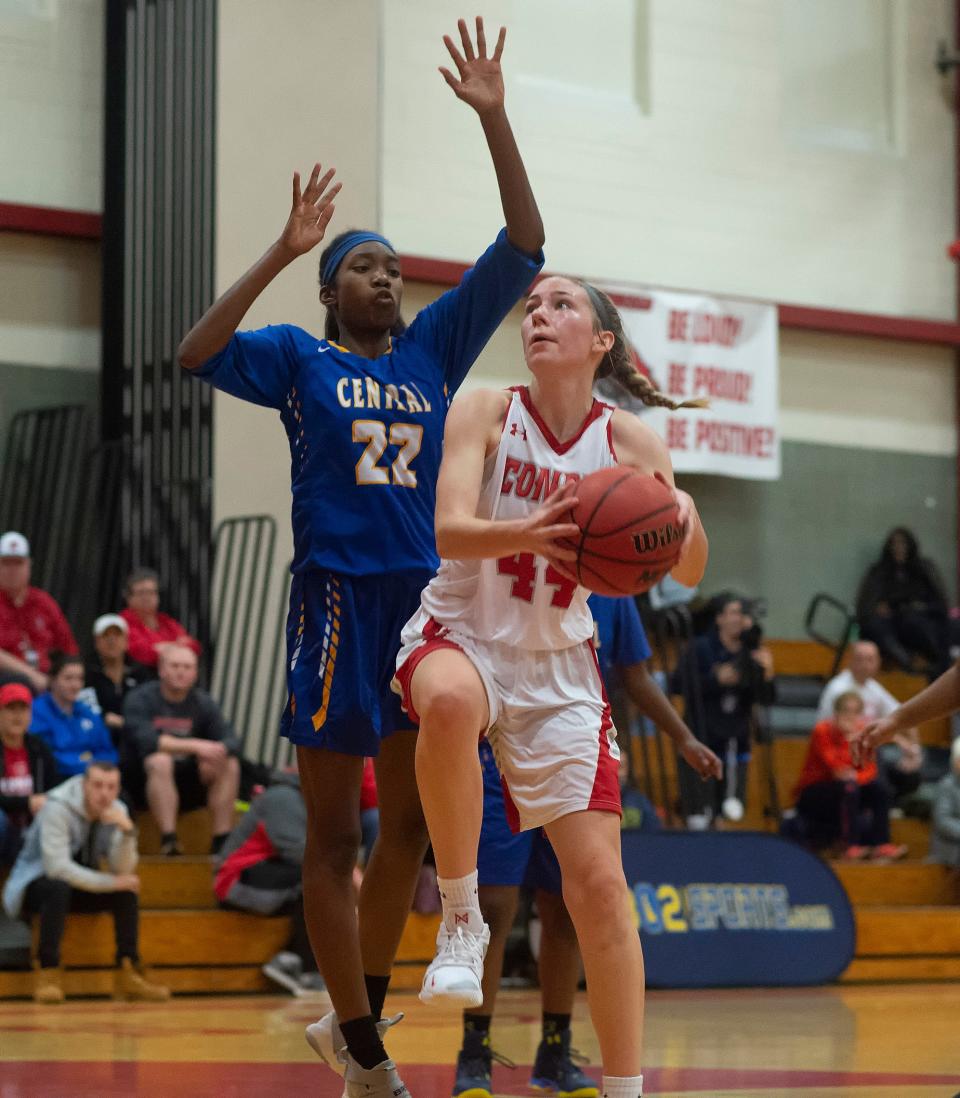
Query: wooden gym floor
column 867, row 1042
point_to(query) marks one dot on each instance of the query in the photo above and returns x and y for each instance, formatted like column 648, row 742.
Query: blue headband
column 349, row 242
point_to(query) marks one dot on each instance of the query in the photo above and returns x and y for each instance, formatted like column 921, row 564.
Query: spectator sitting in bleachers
column 149, row 629
column 945, row 832
column 838, row 802
column 860, row 677
column 27, row 770
column 110, row 677
column 70, row 728
column 32, row 625
column 189, row 752
column 902, row 606
column 899, row 762
column 260, row 872
column 58, row 871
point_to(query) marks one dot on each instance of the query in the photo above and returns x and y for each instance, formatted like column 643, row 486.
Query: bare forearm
column 523, row 221
column 10, row 662
column 479, row 539
column 214, row 329
column 176, row 745
column 653, row 703
column 690, row 570
column 940, row 698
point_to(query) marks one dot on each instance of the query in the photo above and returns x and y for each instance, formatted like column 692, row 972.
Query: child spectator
column 840, row 802
column 27, row 770
column 32, row 625
column 149, row 629
column 70, row 728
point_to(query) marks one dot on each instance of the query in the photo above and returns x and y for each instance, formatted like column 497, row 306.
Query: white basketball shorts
column 550, row 726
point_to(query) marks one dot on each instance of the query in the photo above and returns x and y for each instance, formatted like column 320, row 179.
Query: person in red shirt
column 838, row 800
column 149, row 629
column 27, row 770
column 32, row 625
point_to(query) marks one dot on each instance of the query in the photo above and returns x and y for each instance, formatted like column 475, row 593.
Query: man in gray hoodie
column 81, row 825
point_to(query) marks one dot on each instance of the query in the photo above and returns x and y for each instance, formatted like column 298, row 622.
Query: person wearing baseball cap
column 32, row 624
column 27, row 770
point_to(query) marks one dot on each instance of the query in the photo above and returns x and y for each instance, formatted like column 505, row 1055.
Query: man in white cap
column 32, row 625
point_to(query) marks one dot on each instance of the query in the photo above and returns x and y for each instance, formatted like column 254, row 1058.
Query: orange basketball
column 630, row 531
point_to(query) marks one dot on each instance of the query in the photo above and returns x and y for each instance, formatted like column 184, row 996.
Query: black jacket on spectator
column 43, row 770
column 110, row 695
column 149, row 715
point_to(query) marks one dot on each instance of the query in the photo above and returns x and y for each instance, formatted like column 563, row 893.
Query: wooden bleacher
column 907, row 920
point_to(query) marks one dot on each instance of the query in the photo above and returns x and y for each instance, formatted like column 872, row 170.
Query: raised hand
column 481, row 78
column 310, row 212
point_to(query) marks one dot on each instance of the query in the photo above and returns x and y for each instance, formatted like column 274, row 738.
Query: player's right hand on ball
column 310, row 212
column 543, row 531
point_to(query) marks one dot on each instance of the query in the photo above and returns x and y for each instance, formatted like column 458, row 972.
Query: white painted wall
column 51, row 103
column 668, row 142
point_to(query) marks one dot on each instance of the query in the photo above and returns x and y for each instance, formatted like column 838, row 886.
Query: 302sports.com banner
column 736, row 909
column 724, row 349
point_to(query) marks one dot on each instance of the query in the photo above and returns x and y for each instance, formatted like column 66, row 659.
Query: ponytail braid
column 618, row 363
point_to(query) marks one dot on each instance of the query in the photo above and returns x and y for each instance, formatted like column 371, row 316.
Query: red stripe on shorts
column 433, row 641
column 606, row 785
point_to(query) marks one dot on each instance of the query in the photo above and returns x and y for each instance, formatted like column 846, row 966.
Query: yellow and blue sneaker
column 474, row 1066
column 555, row 1070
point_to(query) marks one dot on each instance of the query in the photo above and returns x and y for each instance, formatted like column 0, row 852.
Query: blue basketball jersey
column 619, row 635
column 365, row 434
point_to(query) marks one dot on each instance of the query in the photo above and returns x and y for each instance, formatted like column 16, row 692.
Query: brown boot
column 47, row 986
column 129, row 982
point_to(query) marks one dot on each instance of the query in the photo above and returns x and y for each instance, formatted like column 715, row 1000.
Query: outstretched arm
column 939, row 699
column 651, row 701
column 480, row 85
column 310, row 214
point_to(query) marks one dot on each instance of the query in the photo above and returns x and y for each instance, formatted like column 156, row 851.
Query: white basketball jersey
column 521, row 600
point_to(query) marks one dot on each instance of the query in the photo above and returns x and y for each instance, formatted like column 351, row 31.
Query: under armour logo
column 516, row 429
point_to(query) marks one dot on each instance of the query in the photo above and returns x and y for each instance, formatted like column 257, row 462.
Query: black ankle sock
column 168, row 837
column 476, row 1023
column 216, row 843
column 555, row 1023
column 376, row 993
column 363, row 1041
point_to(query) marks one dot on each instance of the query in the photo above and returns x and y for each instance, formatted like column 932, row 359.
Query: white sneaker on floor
column 285, row 969
column 326, row 1039
column 379, row 1082
column 456, row 972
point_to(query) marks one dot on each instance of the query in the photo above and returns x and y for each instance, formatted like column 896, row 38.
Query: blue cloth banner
column 736, row 909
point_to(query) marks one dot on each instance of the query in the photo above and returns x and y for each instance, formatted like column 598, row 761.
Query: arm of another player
column 480, row 85
column 939, row 699
column 651, row 701
column 309, row 216
column 639, row 446
column 472, row 432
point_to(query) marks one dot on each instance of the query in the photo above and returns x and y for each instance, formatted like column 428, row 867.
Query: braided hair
column 331, row 326
column 618, row 362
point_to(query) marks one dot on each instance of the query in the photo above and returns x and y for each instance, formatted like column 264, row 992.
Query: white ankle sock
column 615, row 1086
column 461, row 906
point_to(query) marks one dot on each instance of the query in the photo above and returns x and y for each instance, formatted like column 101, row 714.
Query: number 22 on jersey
column 407, row 437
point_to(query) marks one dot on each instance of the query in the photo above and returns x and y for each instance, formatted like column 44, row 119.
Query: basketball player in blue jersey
column 506, row 861
column 364, row 411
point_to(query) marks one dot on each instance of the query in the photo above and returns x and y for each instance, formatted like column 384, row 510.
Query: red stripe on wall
column 49, row 221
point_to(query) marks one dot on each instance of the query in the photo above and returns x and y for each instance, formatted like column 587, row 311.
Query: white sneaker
column 456, row 972
column 732, row 809
column 326, row 1039
column 285, row 969
column 379, row 1082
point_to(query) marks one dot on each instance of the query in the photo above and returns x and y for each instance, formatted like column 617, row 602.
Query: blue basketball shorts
column 505, row 858
column 343, row 635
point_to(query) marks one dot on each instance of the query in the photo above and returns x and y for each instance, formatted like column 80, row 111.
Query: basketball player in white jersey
column 501, row 646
